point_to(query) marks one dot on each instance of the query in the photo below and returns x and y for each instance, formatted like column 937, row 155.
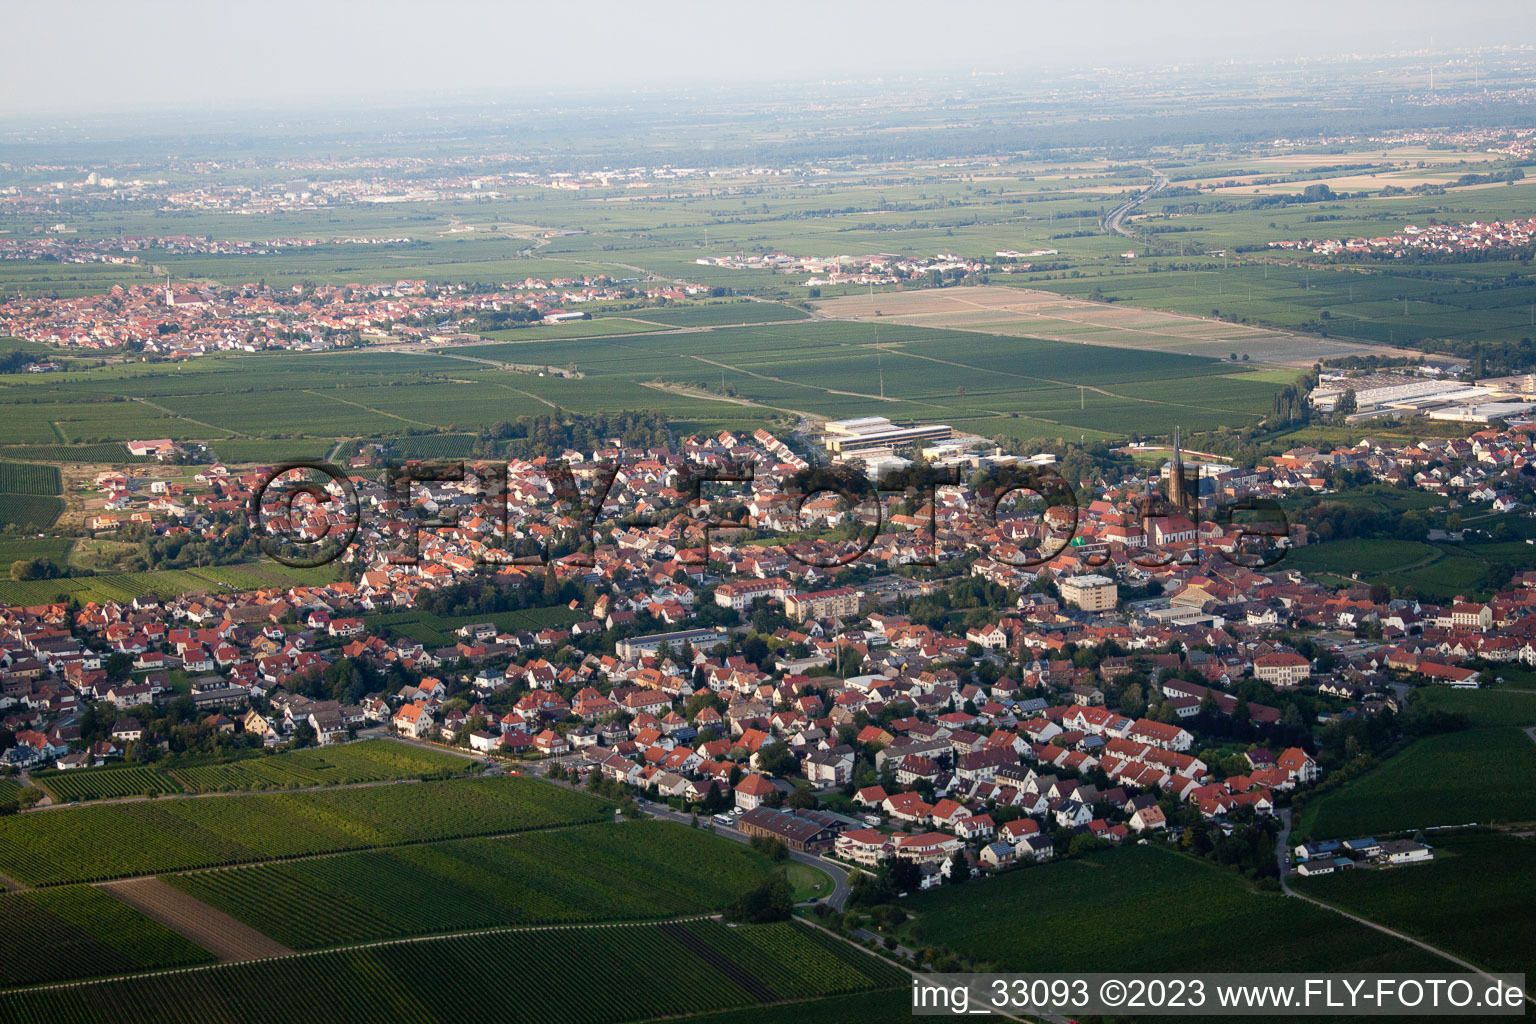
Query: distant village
column 127, row 250
column 1460, row 240
column 181, row 321
column 878, row 268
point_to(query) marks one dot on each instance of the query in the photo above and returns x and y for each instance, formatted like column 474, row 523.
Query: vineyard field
column 28, row 478
column 368, row 761
column 29, row 511
column 104, row 783
column 633, row 871
column 861, row 1008
column 563, row 976
column 111, row 453
column 80, row 844
column 1148, row 906
column 438, row 631
column 432, row 446
column 718, row 314
column 77, row 931
column 125, row 586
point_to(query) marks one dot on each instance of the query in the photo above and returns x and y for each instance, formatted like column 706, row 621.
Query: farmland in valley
column 144, row 837
column 635, row 870
column 538, row 977
column 989, row 384
column 1148, row 906
column 1043, row 314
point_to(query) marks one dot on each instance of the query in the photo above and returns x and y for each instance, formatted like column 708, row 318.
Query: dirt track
column 214, row 930
column 994, row 309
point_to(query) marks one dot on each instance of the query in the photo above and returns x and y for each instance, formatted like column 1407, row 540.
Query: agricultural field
column 650, row 971
column 1483, row 708
column 977, row 382
column 719, row 314
column 367, row 761
column 125, row 586
column 864, row 1008
column 1144, row 905
column 438, row 631
column 104, row 783
column 1043, row 314
column 1491, row 923
column 632, row 871
column 270, row 451
column 1433, row 571
column 105, row 453
column 77, row 931
column 145, row 837
column 13, row 548
column 29, row 511
column 990, row 384
column 29, row 495
column 29, row 478
column 1483, row 776
column 432, row 446
column 604, row 326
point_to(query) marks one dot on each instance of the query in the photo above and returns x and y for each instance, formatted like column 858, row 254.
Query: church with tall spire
column 1178, row 484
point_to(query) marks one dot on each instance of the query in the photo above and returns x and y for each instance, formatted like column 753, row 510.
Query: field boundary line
column 401, row 941
column 369, row 408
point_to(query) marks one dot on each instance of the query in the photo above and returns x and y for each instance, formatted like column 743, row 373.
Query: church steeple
column 1176, row 482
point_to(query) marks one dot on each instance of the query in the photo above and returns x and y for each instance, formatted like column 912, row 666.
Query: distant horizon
column 285, row 56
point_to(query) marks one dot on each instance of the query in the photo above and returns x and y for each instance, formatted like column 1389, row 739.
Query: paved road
column 838, row 873
column 1112, row 220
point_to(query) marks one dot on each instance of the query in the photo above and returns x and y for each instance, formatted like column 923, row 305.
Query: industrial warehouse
column 1436, row 398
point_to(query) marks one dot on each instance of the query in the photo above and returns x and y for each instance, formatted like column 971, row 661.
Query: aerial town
column 766, row 520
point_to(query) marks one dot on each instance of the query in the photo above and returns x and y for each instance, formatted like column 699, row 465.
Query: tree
column 33, row 569
column 905, row 876
column 777, row 759
column 773, row 900
column 959, row 870
column 773, row 849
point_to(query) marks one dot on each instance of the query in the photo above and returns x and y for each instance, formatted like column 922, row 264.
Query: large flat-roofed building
column 869, row 432
column 822, row 604
column 699, row 639
column 1091, row 593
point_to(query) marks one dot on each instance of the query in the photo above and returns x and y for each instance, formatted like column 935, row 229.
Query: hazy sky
column 81, row 55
